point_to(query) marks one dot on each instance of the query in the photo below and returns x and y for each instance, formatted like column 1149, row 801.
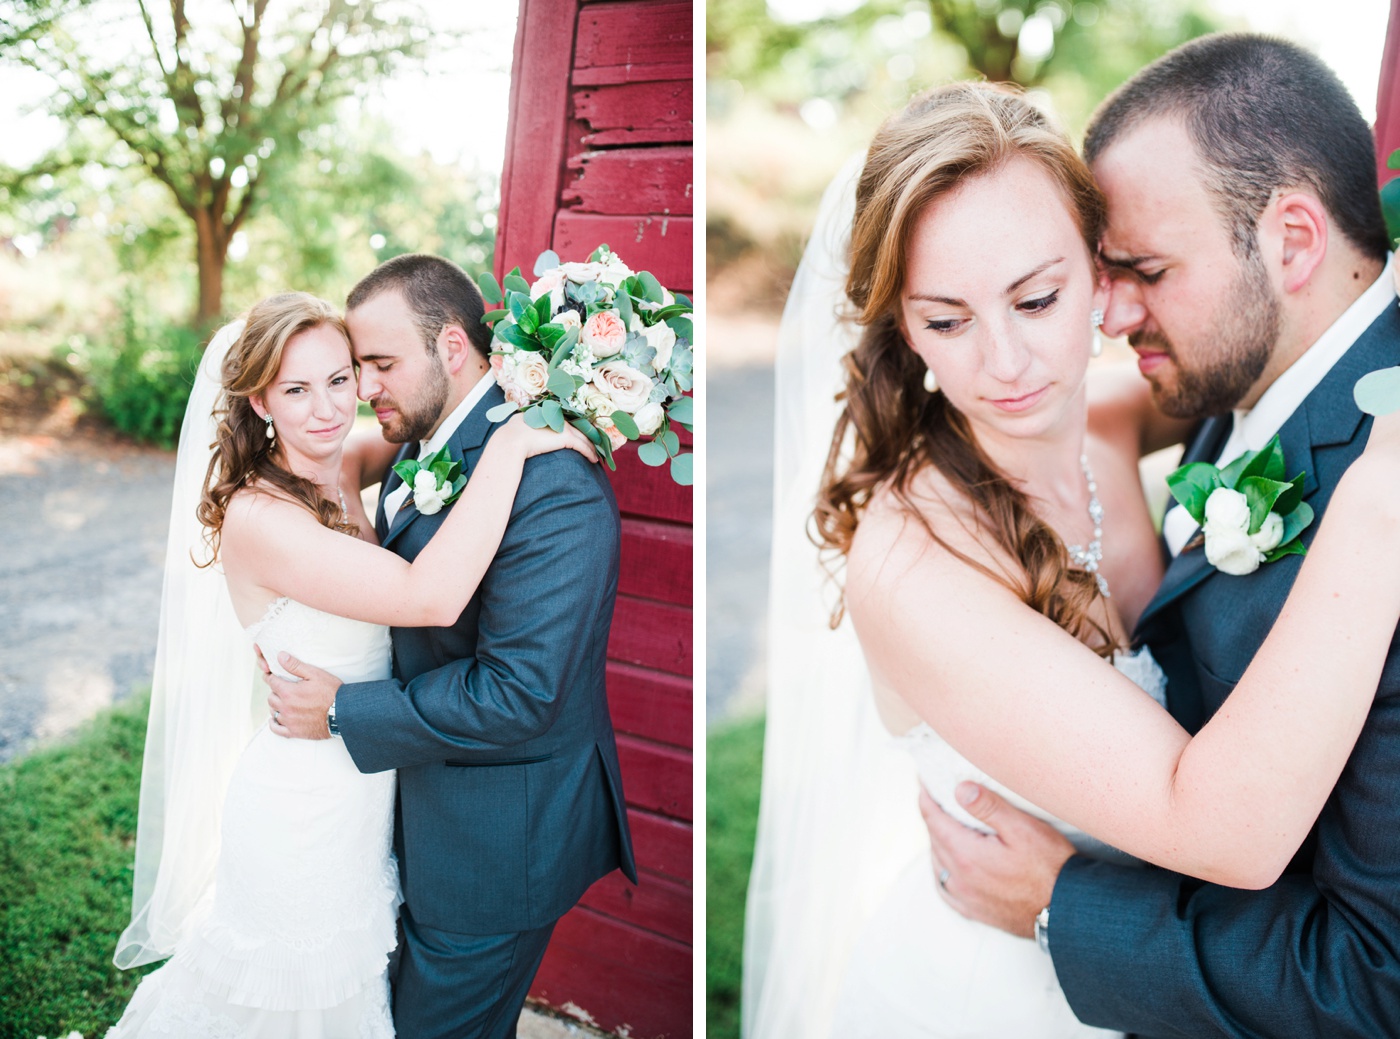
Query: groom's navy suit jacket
column 1318, row 953
column 510, row 794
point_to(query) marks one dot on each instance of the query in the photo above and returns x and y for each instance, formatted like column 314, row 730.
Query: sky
column 427, row 107
column 455, row 107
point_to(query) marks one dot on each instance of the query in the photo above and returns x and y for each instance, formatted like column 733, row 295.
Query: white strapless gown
column 920, row 970
column 294, row 940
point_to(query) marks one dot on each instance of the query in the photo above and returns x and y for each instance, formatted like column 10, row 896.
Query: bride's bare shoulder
column 926, row 531
column 255, row 510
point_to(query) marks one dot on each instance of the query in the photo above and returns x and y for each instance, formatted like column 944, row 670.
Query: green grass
column 735, row 754
column 67, row 833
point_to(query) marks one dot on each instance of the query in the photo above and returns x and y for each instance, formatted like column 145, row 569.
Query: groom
column 510, row 797
column 1250, row 272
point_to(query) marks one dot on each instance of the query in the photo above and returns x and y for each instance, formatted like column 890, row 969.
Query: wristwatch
column 1042, row 926
column 335, row 729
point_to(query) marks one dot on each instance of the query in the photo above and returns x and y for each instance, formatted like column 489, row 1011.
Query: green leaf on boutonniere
column 1266, row 462
column 1190, row 485
column 1295, row 523
column 1293, row 548
column 1291, row 498
column 1261, row 493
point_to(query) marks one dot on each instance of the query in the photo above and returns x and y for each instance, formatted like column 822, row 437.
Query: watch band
column 1042, row 930
column 331, row 726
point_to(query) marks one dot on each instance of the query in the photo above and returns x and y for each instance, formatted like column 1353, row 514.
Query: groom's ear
column 1297, row 223
column 456, row 347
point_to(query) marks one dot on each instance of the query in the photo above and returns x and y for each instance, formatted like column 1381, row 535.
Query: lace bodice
column 941, row 768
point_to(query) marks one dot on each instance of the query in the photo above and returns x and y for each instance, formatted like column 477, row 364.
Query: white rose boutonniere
column 1249, row 514
column 436, row 481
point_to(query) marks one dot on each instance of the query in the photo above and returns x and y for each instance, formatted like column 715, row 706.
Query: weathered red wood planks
column 638, row 982
column 651, row 634
column 636, row 113
column 632, row 180
column 662, row 844
column 629, row 34
column 656, row 777
column 660, row 244
column 657, row 904
column 656, row 561
column 645, row 491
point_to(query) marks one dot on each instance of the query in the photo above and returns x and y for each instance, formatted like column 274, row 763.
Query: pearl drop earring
column 930, row 381
column 1096, row 319
column 271, row 433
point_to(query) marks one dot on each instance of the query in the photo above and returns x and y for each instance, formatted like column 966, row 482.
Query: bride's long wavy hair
column 242, row 453
column 891, row 428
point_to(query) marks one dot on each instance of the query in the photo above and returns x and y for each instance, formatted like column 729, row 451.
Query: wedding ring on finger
column 943, row 876
column 277, row 717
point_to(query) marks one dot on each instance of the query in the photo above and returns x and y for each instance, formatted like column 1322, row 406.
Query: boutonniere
column 436, row 480
column 1248, row 513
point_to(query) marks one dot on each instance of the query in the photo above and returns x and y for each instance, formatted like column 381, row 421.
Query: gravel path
column 82, row 541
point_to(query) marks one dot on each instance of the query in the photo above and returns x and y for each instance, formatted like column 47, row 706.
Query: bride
column 997, row 551
column 263, row 865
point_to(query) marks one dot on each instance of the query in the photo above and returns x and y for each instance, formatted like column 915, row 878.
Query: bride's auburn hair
column 891, row 427
column 242, row 453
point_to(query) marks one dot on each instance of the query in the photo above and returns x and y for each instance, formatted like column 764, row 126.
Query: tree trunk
column 211, row 251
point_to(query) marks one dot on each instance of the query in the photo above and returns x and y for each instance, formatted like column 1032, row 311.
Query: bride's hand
column 531, row 442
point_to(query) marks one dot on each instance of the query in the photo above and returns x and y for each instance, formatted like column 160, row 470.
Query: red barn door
column 599, row 150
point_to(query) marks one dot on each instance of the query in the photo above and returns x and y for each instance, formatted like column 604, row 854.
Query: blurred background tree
column 211, row 154
column 817, row 78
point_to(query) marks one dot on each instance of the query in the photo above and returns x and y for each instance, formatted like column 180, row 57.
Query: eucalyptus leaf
column 492, row 316
column 588, row 429
column 1379, row 392
column 502, row 411
column 683, row 469
column 652, row 454
column 670, row 442
column 625, row 425
column 1393, row 161
column 683, row 411
column 546, row 261
column 562, row 384
column 564, row 348
column 604, row 446
column 554, row 415
column 651, row 288
column 490, row 288
column 1191, row 485
column 534, row 418
column 515, row 283
column 623, row 303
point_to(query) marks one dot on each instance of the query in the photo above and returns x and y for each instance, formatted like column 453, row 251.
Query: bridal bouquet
column 599, row 346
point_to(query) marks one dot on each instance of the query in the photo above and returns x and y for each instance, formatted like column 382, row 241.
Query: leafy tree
column 214, row 109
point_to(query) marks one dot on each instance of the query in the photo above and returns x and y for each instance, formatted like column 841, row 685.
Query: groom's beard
column 1239, row 337
column 415, row 417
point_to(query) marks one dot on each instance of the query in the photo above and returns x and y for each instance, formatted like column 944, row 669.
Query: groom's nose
column 1125, row 312
column 367, row 386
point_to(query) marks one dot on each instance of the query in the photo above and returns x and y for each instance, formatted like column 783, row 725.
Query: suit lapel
column 1189, row 568
column 391, row 480
column 1327, row 417
column 465, row 445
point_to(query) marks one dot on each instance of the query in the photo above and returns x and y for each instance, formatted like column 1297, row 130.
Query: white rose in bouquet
column 567, row 318
column 628, row 388
column 595, row 401
column 649, row 418
column 614, row 272
column 604, row 334
column 552, row 283
column 581, row 273
column 661, row 338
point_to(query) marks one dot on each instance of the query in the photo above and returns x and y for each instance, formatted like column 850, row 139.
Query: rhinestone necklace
column 345, row 511
column 1090, row 558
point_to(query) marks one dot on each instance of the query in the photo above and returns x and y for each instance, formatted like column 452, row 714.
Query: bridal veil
column 838, row 816
column 205, row 704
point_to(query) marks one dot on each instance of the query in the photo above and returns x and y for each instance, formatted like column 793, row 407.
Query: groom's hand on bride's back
column 1004, row 878
column 298, row 706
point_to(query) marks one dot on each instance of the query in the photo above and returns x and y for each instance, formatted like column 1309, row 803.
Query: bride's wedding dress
column 293, row 941
column 919, row 970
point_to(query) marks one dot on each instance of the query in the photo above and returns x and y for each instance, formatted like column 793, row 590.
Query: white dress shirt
column 449, row 426
column 1253, row 428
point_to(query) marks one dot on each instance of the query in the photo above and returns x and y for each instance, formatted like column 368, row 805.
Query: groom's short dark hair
column 1264, row 114
column 436, row 290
